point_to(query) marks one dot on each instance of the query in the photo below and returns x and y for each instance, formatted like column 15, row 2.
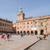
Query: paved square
column 17, row 42
column 42, row 44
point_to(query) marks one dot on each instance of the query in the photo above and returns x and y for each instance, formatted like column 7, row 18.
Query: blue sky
column 10, row 8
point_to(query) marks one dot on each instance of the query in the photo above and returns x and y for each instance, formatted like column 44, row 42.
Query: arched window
column 31, row 22
column 5, row 25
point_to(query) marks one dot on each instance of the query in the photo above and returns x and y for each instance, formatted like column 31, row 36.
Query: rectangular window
column 27, row 26
column 35, row 22
column 47, row 25
column 41, row 24
column 3, row 24
column 31, row 22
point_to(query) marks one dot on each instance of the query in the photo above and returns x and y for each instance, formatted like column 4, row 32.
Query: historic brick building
column 32, row 25
column 5, row 26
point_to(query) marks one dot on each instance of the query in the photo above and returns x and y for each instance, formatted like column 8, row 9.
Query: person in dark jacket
column 21, row 35
column 44, row 36
column 8, row 36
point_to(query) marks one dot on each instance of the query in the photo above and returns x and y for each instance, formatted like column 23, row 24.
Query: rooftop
column 5, row 20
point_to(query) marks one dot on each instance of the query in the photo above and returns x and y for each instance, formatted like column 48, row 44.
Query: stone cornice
column 5, row 20
column 34, row 18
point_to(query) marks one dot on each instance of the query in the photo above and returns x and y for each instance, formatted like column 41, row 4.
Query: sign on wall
column 34, row 28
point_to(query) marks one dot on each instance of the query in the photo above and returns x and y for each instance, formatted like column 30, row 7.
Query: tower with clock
column 21, row 15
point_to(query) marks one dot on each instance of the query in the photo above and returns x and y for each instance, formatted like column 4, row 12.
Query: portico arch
column 31, row 32
column 42, row 32
column 28, row 32
column 18, row 32
column 36, row 33
column 24, row 32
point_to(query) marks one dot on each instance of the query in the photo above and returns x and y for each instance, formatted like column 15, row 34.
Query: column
column 26, row 32
column 45, row 31
column 34, row 32
column 29, row 32
column 38, row 32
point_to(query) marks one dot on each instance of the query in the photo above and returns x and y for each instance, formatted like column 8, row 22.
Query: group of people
column 44, row 36
column 4, row 36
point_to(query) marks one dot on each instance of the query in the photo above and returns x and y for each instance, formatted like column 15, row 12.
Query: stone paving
column 17, row 42
column 41, row 45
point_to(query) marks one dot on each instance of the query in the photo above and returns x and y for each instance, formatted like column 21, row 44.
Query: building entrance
column 18, row 32
column 35, row 32
column 21, row 32
column 42, row 32
column 24, row 32
column 31, row 32
column 28, row 32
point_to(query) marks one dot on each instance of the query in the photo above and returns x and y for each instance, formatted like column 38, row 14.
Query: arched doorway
column 35, row 32
column 21, row 32
column 18, row 32
column 42, row 32
column 28, row 32
column 24, row 32
column 31, row 32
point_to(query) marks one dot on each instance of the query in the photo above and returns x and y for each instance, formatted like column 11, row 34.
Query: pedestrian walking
column 21, row 35
column 4, row 38
column 8, row 36
column 37, row 36
column 44, row 36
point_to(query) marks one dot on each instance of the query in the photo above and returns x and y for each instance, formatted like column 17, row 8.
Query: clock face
column 19, row 18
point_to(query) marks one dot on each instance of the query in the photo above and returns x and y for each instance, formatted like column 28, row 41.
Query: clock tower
column 21, row 15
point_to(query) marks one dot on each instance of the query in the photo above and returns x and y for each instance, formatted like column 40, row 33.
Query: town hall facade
column 32, row 25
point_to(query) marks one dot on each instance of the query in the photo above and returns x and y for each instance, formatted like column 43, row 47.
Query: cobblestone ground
column 16, row 41
column 42, row 45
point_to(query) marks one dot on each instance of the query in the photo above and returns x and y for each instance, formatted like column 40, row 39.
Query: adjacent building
column 32, row 25
column 14, row 28
column 5, row 26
